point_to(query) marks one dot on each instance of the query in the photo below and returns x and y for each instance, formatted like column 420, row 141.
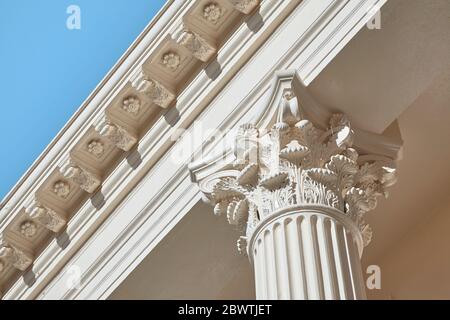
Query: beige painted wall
column 418, row 266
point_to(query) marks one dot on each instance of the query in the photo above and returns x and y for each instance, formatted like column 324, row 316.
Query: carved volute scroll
column 297, row 163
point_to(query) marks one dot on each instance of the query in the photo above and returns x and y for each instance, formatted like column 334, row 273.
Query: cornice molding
column 161, row 75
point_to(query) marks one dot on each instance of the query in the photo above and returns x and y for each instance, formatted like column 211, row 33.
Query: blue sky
column 47, row 70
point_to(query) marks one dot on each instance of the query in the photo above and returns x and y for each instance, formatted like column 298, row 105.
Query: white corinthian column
column 299, row 193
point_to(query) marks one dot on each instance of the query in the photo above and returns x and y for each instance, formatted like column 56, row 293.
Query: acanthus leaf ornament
column 245, row 6
column 297, row 163
column 197, row 45
column 274, row 181
column 46, row 217
column 86, row 180
column 153, row 89
column 237, row 212
column 117, row 135
column 221, row 208
column 294, row 152
column 242, row 245
column 366, row 231
column 248, row 175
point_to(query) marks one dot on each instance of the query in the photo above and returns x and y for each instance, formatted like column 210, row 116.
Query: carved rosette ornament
column 296, row 163
column 171, row 60
column 28, row 229
column 96, row 148
column 131, row 105
column 61, row 189
column 212, row 12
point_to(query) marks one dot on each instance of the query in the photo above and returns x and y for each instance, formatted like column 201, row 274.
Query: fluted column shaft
column 307, row 253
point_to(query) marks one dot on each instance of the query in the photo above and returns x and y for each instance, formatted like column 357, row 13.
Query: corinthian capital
column 296, row 163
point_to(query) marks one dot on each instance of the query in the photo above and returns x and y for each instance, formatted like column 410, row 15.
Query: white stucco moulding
column 321, row 30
